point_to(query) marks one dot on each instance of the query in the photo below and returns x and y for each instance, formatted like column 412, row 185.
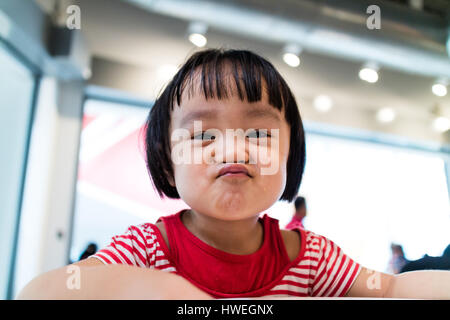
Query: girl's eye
column 204, row 136
column 258, row 133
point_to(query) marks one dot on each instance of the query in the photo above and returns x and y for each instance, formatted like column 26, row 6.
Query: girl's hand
column 426, row 284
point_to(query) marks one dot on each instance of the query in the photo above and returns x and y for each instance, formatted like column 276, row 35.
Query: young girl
column 226, row 137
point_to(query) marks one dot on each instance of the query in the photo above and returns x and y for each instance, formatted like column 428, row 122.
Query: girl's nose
column 234, row 149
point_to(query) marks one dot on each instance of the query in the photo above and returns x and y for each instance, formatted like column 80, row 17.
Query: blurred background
column 77, row 79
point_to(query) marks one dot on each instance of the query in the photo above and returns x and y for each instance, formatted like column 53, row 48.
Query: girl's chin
column 224, row 216
column 229, row 203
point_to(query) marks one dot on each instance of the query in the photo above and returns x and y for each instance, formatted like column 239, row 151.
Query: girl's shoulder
column 292, row 242
column 162, row 229
column 140, row 245
column 300, row 242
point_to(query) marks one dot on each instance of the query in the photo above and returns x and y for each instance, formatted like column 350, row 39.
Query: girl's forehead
column 198, row 108
column 223, row 94
column 197, row 99
column 194, row 95
column 199, row 87
column 224, row 81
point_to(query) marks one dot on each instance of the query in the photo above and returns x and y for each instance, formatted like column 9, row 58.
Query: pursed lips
column 234, row 170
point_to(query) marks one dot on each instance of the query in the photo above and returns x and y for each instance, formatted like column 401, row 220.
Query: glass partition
column 17, row 84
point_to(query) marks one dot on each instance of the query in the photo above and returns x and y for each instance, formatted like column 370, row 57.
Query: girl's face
column 233, row 171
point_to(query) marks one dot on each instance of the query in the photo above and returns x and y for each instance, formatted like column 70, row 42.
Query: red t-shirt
column 320, row 269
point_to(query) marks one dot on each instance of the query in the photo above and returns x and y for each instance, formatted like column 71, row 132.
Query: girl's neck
column 237, row 237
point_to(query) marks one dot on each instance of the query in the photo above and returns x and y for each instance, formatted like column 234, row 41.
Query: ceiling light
column 196, row 32
column 323, row 103
column 291, row 54
column 439, row 88
column 291, row 59
column 416, row 4
column 198, row 39
column 369, row 73
column 386, row 115
column 441, row 124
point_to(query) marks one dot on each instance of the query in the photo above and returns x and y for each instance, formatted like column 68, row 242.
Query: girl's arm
column 91, row 279
column 429, row 284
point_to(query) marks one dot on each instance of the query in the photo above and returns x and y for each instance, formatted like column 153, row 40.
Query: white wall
column 51, row 174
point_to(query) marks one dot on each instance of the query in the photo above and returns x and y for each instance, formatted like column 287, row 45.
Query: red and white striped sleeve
column 129, row 248
column 336, row 271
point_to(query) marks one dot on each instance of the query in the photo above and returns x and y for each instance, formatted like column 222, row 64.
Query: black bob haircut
column 248, row 70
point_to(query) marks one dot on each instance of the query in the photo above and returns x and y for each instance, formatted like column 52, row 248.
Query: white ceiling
column 118, row 31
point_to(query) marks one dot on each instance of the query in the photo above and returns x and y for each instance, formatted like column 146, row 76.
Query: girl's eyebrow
column 198, row 115
column 251, row 112
column 259, row 112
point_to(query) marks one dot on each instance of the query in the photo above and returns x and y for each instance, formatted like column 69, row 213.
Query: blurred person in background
column 398, row 259
column 89, row 251
column 427, row 262
column 299, row 214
